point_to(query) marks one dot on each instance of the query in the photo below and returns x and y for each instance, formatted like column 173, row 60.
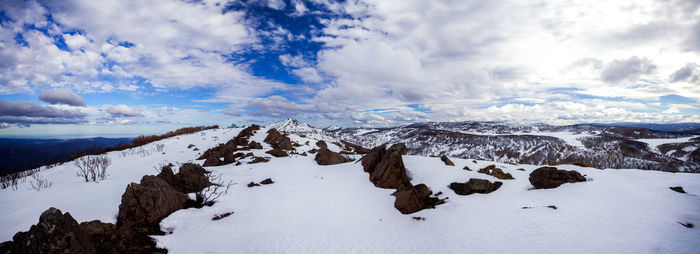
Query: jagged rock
column 466, row 168
column 212, row 156
column 678, row 189
column 304, row 154
column 492, row 170
column 143, row 205
column 551, row 177
column 255, row 145
column 446, row 160
column 313, row 151
column 387, row 171
column 277, row 153
column 327, row 157
column 411, row 199
column 212, row 160
column 475, row 185
column 191, row 178
column 252, row 184
column 267, row 181
column 277, row 140
column 56, row 232
column 258, row 160
column 321, row 144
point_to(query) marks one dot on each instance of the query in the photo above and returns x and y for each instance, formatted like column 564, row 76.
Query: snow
column 331, row 209
column 568, row 137
column 655, row 142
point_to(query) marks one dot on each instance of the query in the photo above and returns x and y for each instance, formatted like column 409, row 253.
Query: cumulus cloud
column 690, row 72
column 26, row 113
column 629, row 70
column 62, row 96
column 122, row 110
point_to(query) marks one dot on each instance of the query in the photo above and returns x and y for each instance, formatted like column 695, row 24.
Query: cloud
column 62, row 96
column 690, row 72
column 122, row 111
column 627, row 70
column 26, row 113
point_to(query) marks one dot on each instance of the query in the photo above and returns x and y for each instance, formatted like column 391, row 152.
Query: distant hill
column 675, row 127
column 21, row 154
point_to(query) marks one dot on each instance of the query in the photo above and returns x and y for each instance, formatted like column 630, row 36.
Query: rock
column 277, row 153
column 145, row 204
column 492, row 170
column 412, row 199
column 255, row 145
column 212, row 160
column 313, row 151
column 521, row 169
column 551, row 177
column 321, row 144
column 446, row 160
column 267, row 181
column 258, row 160
column 304, row 154
column 252, row 184
column 475, row 185
column 466, row 168
column 191, row 178
column 221, row 216
column 56, row 232
column 277, row 140
column 678, row 189
column 390, row 172
column 327, row 157
column 356, row 148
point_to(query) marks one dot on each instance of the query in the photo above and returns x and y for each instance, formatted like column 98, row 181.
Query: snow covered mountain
column 309, row 208
column 540, row 144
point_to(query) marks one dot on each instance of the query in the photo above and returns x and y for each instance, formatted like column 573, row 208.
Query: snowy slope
column 336, row 209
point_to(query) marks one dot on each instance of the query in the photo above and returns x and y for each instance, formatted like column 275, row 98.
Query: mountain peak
column 291, row 125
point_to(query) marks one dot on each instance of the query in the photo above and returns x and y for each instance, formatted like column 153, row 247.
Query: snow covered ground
column 655, row 142
column 336, row 209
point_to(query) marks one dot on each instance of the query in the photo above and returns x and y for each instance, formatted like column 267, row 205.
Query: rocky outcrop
column 327, row 157
column 277, row 140
column 56, row 232
column 190, row 178
column 446, row 160
column 213, row 155
column 144, row 204
column 321, row 144
column 678, row 189
column 551, row 177
column 277, row 153
column 386, row 170
column 475, row 185
column 492, row 170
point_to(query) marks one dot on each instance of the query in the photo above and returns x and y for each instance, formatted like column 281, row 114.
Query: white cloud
column 122, row 110
column 62, row 96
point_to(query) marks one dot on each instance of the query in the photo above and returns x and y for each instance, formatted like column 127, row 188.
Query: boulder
column 191, row 178
column 475, row 185
column 492, row 170
column 678, row 189
column 255, row 145
column 258, row 160
column 145, row 204
column 277, row 140
column 446, row 160
column 411, row 199
column 321, row 144
column 267, row 181
column 327, row 157
column 466, row 168
column 277, row 153
column 389, row 172
column 212, row 160
column 56, row 232
column 551, row 177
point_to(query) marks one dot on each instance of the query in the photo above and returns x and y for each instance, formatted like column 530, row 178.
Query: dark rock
column 190, row 146
column 144, row 205
column 446, row 160
column 687, row 225
column 212, row 160
column 267, row 181
column 313, row 151
column 412, row 199
column 475, row 185
column 258, row 160
column 521, row 169
column 255, row 145
column 321, row 144
column 277, row 140
column 277, row 153
column 191, row 178
column 221, row 216
column 252, row 184
column 466, row 168
column 303, row 154
column 390, row 172
column 327, row 157
column 678, row 189
column 356, row 148
column 418, row 218
column 56, row 232
column 551, row 177
column 492, row 170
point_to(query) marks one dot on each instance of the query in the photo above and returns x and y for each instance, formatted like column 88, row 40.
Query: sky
column 87, row 67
